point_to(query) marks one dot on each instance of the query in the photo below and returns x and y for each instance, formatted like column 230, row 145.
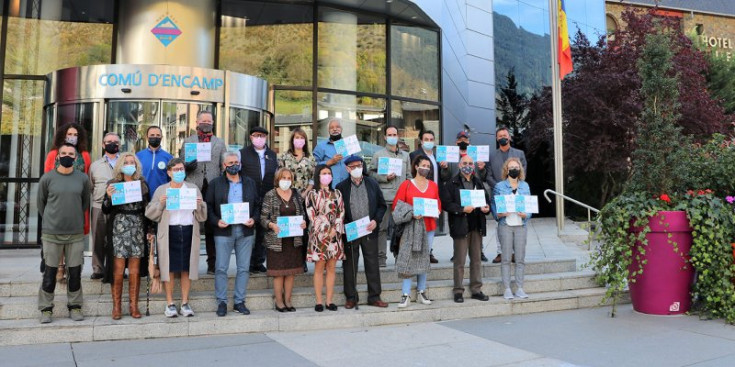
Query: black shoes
column 483, row 257
column 222, row 309
column 319, row 308
column 281, row 309
column 432, row 259
column 479, row 296
column 332, row 307
column 497, row 259
column 458, row 298
column 240, row 307
column 96, row 276
column 255, row 269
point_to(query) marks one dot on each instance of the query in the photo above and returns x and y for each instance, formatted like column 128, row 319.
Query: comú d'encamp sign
column 136, row 79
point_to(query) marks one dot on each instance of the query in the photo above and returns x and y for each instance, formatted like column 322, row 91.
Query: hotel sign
column 719, row 45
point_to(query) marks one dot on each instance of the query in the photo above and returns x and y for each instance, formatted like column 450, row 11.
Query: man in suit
column 260, row 163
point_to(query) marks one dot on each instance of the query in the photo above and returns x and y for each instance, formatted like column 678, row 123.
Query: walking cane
column 148, row 279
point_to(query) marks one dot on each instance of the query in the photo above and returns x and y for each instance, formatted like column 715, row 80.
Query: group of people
column 321, row 192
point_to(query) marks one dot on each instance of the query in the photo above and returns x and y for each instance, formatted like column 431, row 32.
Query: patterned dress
column 303, row 169
column 326, row 212
column 128, row 231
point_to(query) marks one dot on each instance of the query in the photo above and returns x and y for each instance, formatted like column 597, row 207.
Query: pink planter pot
column 664, row 286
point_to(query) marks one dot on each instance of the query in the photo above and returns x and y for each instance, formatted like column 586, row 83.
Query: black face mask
column 514, row 173
column 112, row 148
column 503, row 141
column 335, row 137
column 462, row 145
column 154, row 142
column 233, row 169
column 66, row 161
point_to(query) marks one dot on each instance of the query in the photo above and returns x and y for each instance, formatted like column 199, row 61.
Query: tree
column 602, row 102
column 512, row 107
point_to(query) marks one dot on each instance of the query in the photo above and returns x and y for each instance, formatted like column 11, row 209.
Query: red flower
column 665, row 198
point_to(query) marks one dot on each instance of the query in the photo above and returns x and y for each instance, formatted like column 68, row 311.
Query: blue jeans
column 243, row 247
column 420, row 278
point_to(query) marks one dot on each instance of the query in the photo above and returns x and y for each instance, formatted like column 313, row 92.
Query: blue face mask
column 392, row 140
column 179, row 176
column 428, row 145
column 128, row 169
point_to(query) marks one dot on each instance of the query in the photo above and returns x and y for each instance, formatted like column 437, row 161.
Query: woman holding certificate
column 326, row 212
column 178, row 208
column 282, row 215
column 416, row 206
column 127, row 227
column 512, row 226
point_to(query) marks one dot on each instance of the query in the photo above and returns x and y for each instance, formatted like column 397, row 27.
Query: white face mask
column 356, row 173
column 284, row 184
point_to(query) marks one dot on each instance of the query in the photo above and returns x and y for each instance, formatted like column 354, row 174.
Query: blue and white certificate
column 126, row 192
column 447, row 153
column 181, row 199
column 516, row 203
column 357, row 229
column 473, row 198
column 479, row 153
column 237, row 213
column 202, row 152
column 290, row 226
column 347, row 146
column 387, row 165
column 426, row 207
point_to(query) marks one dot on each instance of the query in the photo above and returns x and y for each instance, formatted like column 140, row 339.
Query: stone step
column 29, row 331
column 261, row 281
column 303, row 297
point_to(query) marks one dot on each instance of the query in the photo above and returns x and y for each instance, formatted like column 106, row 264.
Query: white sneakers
column 422, row 298
column 520, row 293
column 508, row 294
column 405, row 301
column 186, row 310
column 171, row 311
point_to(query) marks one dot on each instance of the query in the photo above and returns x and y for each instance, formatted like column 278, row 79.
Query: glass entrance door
column 131, row 120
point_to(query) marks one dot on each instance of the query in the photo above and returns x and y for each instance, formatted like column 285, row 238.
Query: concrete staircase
column 552, row 285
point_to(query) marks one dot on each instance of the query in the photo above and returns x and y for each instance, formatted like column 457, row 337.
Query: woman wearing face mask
column 299, row 161
column 284, row 255
column 177, row 237
column 512, row 226
column 326, row 212
column 127, row 232
column 75, row 135
column 418, row 233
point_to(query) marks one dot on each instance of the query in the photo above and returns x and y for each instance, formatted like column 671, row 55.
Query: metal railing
column 589, row 213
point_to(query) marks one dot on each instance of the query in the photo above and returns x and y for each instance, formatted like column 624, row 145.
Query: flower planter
column 664, row 286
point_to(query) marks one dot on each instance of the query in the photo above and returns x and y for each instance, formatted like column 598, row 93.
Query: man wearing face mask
column 260, row 163
column 497, row 159
column 201, row 173
column 451, row 169
column 63, row 198
column 362, row 198
column 325, row 153
column 100, row 172
column 389, row 184
column 232, row 188
column 427, row 148
column 153, row 160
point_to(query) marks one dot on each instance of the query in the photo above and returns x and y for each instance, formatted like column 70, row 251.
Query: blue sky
column 533, row 16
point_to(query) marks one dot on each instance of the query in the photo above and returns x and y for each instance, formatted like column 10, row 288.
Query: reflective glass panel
column 49, row 35
column 179, row 121
column 411, row 118
column 414, row 62
column 241, row 120
column 130, row 119
column 21, row 150
column 18, row 213
column 78, row 113
column 271, row 41
column 293, row 110
column 351, row 51
column 361, row 116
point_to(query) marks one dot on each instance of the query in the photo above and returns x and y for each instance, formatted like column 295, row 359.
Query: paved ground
column 586, row 337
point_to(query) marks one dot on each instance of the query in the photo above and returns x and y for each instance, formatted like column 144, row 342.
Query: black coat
column 451, row 203
column 217, row 194
column 251, row 168
column 111, row 211
column 375, row 199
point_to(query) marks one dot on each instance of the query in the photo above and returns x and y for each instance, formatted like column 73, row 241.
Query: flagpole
column 556, row 110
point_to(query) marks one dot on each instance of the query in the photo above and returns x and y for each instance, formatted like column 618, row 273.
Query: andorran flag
column 565, row 50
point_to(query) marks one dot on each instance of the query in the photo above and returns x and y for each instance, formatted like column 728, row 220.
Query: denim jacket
column 504, row 188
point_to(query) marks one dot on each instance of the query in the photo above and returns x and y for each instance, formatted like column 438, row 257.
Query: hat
column 353, row 159
column 463, row 134
column 258, row 129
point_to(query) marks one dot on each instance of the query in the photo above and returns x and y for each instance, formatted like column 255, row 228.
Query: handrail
column 589, row 214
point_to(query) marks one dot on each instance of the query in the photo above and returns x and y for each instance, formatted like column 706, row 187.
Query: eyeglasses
column 355, row 166
column 182, row 169
column 112, row 142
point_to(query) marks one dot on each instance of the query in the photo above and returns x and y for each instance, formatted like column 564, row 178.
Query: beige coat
column 157, row 212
